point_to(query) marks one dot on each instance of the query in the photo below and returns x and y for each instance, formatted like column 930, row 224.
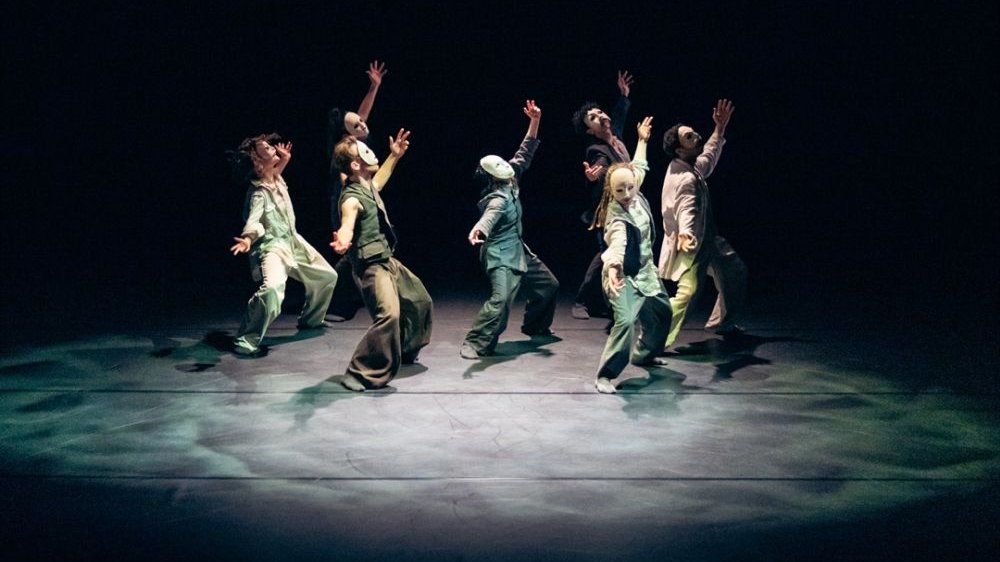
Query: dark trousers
column 537, row 284
column 401, row 313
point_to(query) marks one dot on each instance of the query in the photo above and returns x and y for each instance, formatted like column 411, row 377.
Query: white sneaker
column 605, row 386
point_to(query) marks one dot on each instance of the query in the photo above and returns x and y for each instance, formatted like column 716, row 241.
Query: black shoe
column 731, row 331
column 410, row 358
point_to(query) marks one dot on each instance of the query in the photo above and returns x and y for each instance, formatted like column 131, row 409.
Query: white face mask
column 355, row 126
column 623, row 187
column 366, row 154
column 497, row 167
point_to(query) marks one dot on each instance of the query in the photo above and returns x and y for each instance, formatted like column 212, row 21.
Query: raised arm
column 534, row 114
column 397, row 148
column 526, row 151
column 709, row 157
column 639, row 163
column 376, row 71
column 620, row 111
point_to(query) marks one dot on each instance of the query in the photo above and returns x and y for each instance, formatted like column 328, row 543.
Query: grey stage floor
column 812, row 439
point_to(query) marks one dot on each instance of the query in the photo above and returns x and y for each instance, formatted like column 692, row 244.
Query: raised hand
column 645, row 128
column 400, row 144
column 375, row 72
column 624, row 82
column 722, row 112
column 593, row 173
column 284, row 149
column 241, row 246
column 532, row 110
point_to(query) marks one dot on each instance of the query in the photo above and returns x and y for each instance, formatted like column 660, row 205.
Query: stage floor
column 811, row 438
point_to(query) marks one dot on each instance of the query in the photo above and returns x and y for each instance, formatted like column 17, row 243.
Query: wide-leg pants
column 265, row 305
column 401, row 311
column 540, row 287
column 629, row 342
column 730, row 276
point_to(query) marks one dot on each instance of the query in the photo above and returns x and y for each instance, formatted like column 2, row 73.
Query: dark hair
column 672, row 140
column 580, row 116
column 241, row 161
column 334, row 130
column 486, row 182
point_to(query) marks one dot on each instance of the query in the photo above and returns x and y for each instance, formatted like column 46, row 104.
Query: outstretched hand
column 476, row 237
column 624, row 82
column 241, row 246
column 400, row 144
column 375, row 72
column 593, row 173
column 339, row 245
column 645, row 128
column 532, row 110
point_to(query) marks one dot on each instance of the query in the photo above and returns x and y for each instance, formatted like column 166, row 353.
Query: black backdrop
column 861, row 156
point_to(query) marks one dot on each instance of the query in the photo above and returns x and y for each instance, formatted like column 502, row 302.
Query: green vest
column 373, row 235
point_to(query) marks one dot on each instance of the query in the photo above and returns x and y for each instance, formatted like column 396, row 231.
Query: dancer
column 692, row 247
column 276, row 250
column 508, row 262
column 605, row 149
column 629, row 276
column 396, row 299
column 347, row 295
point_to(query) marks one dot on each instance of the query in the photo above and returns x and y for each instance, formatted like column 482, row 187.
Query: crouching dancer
column 509, row 263
column 396, row 299
column 629, row 276
column 276, row 250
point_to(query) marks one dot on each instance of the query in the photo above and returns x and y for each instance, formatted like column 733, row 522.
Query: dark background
column 861, row 160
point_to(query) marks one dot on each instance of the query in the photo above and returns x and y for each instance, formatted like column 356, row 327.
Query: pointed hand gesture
column 624, row 82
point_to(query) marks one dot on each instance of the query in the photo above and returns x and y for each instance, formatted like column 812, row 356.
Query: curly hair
column 580, row 117
column 241, row 159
